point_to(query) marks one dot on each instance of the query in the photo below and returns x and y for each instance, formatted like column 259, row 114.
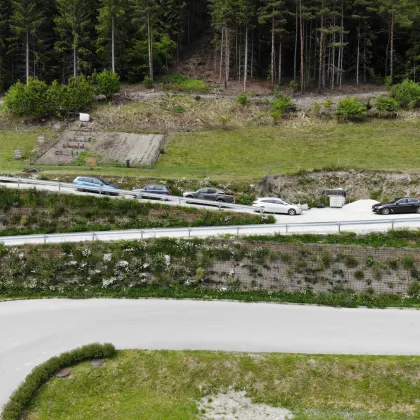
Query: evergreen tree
column 73, row 25
column 25, row 22
column 111, row 15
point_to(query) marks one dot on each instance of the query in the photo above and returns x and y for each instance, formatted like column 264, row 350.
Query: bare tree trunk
column 150, row 46
column 113, row 41
column 27, row 56
column 227, row 61
column 358, row 56
column 296, row 43
column 321, row 52
column 279, row 79
column 221, row 56
column 273, row 40
column 302, row 51
column 74, row 61
column 252, row 55
column 246, row 58
column 391, row 64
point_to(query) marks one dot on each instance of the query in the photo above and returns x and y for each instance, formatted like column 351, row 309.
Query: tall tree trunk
column 358, row 56
column 113, row 41
column 296, row 43
column 246, row 58
column 74, row 61
column 391, row 64
column 321, row 51
column 27, row 56
column 302, row 51
column 252, row 55
column 221, row 55
column 279, row 62
column 227, row 60
column 150, row 46
column 273, row 46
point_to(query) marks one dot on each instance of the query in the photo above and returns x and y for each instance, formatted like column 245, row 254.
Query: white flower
column 21, row 256
column 223, row 289
column 167, row 259
column 107, row 257
column 86, row 252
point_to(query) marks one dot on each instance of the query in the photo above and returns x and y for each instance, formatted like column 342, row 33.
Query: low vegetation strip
column 244, row 269
column 20, row 399
column 187, row 384
column 31, row 212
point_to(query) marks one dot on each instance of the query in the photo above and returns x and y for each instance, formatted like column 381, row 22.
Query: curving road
column 33, row 331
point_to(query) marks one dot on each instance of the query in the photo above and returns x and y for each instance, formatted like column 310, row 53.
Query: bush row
column 20, row 399
column 402, row 95
column 36, row 99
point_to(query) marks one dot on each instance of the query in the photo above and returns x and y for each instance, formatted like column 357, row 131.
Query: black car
column 152, row 189
column 399, row 205
column 211, row 194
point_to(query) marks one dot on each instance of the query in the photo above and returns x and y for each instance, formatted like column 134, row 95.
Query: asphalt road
column 33, row 331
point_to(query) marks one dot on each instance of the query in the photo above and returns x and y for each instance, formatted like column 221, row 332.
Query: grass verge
column 344, row 299
column 168, row 384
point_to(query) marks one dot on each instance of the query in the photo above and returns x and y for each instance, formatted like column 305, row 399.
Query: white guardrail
column 188, row 232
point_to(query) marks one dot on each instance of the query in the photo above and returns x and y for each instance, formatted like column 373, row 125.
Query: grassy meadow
column 165, row 385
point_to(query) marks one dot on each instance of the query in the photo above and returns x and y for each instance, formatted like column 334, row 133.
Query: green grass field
column 249, row 154
column 163, row 385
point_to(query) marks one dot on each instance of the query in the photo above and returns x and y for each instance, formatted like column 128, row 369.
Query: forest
column 305, row 43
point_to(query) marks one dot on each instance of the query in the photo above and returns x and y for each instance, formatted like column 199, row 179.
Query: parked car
column 153, row 189
column 276, row 205
column 399, row 205
column 86, row 183
column 211, row 194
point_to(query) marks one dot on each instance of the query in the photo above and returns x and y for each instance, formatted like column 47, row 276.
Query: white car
column 276, row 205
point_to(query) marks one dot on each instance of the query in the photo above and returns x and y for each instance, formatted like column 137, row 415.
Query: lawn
column 252, row 153
column 9, row 140
column 168, row 385
column 249, row 154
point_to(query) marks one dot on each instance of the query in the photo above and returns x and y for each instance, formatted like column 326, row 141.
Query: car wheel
column 262, row 210
column 418, row 210
column 219, row 200
column 385, row 212
column 292, row 212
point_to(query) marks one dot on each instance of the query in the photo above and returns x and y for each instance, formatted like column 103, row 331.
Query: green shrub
column 105, row 83
column 245, row 199
column 387, row 106
column 359, row 275
column 41, row 374
column 147, row 82
column 317, row 109
column 29, row 100
column 350, row 261
column 242, row 98
column 182, row 83
column 77, row 95
column 350, row 109
column 407, row 93
column 414, row 288
column 282, row 104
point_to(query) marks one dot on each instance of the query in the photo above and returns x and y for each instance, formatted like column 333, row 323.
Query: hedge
column 20, row 399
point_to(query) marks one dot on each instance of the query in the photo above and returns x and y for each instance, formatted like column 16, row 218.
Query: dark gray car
column 210, row 194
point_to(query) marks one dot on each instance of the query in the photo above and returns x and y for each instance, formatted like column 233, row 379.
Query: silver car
column 276, row 205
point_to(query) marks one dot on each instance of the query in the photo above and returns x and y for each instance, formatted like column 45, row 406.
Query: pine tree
column 111, row 13
column 145, row 16
column 73, row 25
column 272, row 11
column 25, row 22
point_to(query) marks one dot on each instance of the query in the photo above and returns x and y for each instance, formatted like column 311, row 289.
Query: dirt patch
column 235, row 405
column 358, row 184
column 107, row 147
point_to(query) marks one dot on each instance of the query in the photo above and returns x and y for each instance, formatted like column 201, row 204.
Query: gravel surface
column 236, row 406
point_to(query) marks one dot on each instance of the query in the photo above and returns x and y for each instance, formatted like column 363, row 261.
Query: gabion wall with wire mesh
column 224, row 264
